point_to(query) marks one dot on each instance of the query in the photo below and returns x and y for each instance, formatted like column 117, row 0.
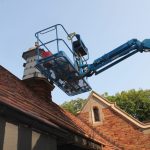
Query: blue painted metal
column 62, row 72
column 58, row 67
column 117, row 55
column 70, row 77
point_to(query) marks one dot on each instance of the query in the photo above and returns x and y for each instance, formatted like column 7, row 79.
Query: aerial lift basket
column 57, row 67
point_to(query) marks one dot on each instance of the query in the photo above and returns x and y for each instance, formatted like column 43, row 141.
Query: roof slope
column 15, row 93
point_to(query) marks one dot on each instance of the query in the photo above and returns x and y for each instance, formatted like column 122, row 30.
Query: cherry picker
column 71, row 75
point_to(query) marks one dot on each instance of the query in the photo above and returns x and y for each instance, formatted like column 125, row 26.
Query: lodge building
column 30, row 120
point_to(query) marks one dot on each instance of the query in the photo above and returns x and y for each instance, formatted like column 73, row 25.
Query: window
column 96, row 114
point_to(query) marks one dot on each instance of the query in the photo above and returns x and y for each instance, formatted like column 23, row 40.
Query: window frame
column 96, row 114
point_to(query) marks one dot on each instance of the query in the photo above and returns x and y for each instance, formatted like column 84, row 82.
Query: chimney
column 33, row 78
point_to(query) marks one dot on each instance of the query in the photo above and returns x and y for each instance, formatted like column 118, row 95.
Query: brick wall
column 41, row 87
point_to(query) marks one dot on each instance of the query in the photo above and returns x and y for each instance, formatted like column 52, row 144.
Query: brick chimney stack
column 33, row 78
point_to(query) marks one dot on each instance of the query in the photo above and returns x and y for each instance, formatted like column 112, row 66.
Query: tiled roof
column 14, row 93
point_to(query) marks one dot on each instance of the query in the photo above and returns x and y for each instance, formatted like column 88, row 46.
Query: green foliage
column 74, row 106
column 136, row 103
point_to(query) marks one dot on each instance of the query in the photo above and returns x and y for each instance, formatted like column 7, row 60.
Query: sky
column 103, row 26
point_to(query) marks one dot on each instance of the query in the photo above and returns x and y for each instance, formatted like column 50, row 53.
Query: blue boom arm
column 71, row 76
column 115, row 56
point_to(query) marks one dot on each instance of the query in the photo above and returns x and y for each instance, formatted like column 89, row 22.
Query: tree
column 74, row 106
column 136, row 103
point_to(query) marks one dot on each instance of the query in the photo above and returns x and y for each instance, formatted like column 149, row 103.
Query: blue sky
column 103, row 25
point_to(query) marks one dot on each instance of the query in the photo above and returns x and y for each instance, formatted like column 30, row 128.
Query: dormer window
column 96, row 114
